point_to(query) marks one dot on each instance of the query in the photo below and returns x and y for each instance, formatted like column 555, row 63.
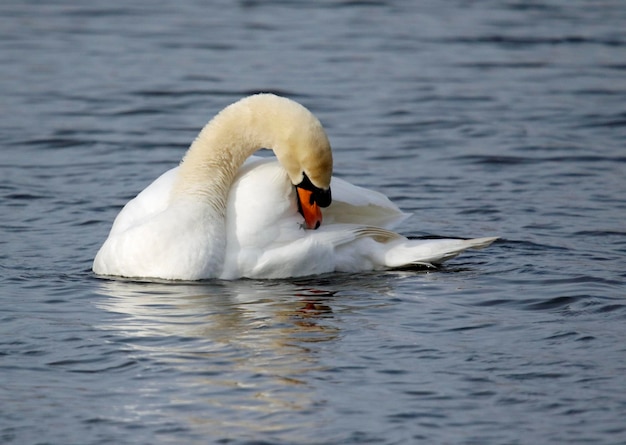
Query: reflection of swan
column 240, row 349
column 213, row 218
column 225, row 313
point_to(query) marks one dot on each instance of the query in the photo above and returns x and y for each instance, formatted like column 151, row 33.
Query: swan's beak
column 309, row 208
column 310, row 199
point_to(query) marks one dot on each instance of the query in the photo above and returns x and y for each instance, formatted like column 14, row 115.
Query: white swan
column 218, row 215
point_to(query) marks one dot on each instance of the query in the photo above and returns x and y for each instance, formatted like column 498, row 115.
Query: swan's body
column 216, row 216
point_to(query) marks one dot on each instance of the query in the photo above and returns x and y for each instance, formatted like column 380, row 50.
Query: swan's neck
column 211, row 163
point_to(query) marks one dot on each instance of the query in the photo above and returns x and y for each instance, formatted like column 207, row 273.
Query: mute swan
column 223, row 213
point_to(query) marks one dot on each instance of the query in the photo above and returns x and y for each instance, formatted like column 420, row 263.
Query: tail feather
column 375, row 247
column 431, row 252
column 481, row 243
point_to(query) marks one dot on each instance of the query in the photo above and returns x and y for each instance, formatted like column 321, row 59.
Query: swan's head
column 306, row 156
column 311, row 196
column 302, row 147
column 267, row 121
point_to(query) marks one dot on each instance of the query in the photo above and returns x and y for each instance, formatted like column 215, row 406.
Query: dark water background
column 483, row 118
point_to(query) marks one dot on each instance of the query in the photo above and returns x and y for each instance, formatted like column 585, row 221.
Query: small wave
column 519, row 41
column 553, row 303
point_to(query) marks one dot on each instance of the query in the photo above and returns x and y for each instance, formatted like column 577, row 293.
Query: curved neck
column 211, row 163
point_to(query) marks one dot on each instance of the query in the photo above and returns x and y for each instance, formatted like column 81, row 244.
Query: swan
column 224, row 213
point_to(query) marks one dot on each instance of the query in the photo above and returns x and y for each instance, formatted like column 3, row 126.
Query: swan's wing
column 313, row 252
column 357, row 205
column 353, row 248
column 149, row 202
column 262, row 196
column 265, row 238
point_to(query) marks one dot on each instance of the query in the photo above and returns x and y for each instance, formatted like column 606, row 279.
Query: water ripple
column 480, row 118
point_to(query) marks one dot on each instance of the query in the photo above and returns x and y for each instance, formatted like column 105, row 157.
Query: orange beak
column 309, row 209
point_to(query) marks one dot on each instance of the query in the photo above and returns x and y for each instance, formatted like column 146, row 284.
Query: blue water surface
column 481, row 118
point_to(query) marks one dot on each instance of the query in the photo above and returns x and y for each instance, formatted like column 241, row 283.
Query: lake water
column 482, row 118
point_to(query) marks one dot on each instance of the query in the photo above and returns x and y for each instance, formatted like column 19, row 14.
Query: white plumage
column 222, row 219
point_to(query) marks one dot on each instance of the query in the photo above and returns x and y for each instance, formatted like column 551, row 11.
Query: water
column 482, row 118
